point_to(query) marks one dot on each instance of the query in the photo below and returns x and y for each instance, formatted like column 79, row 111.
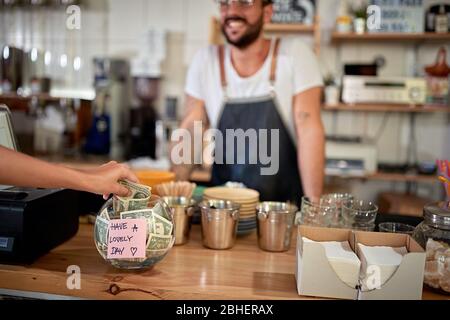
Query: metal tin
column 219, row 223
column 275, row 222
column 182, row 210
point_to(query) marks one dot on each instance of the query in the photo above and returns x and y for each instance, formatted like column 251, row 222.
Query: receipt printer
column 35, row 221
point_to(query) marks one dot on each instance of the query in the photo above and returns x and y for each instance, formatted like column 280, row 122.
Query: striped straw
column 444, row 170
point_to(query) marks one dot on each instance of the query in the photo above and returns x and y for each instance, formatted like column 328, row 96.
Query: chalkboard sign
column 401, row 15
column 294, row 11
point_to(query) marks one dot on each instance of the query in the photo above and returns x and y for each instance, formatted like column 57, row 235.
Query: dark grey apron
column 257, row 113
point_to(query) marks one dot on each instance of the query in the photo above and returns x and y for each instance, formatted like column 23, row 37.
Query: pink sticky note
column 127, row 239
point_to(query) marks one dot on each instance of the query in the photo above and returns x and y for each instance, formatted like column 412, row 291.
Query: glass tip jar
column 159, row 233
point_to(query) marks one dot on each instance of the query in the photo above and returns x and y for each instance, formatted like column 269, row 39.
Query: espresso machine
column 11, row 66
column 36, row 78
column 142, row 136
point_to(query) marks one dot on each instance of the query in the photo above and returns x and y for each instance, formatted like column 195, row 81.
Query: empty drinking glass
column 338, row 200
column 393, row 227
column 359, row 215
column 315, row 214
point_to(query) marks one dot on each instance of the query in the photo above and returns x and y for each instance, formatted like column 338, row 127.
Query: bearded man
column 267, row 85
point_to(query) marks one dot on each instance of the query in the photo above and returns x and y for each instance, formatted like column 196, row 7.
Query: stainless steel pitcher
column 182, row 209
column 275, row 222
column 219, row 223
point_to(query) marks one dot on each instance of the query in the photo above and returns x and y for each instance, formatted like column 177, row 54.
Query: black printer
column 34, row 221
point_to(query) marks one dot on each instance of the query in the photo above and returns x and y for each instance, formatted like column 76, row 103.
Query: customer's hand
column 104, row 180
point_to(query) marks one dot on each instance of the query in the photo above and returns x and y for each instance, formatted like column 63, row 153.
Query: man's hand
column 311, row 141
column 195, row 111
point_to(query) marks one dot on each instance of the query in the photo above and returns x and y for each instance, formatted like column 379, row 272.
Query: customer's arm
column 311, row 141
column 195, row 112
column 18, row 169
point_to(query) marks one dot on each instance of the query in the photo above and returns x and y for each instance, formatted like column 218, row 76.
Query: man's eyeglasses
column 241, row 3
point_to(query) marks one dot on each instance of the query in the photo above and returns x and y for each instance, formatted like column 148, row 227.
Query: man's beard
column 251, row 35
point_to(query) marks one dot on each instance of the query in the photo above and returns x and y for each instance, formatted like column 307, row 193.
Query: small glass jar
column 395, row 227
column 317, row 214
column 433, row 234
column 359, row 215
column 339, row 200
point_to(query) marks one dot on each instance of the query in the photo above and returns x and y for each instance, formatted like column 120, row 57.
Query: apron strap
column 273, row 69
column 223, row 77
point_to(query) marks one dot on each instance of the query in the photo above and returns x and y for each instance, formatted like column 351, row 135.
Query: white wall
column 45, row 29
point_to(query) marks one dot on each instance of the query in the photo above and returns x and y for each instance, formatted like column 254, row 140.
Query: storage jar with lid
column 433, row 234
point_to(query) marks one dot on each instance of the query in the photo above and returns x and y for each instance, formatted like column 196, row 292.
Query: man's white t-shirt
column 297, row 71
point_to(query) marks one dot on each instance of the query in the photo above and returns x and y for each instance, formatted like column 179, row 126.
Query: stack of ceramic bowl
column 247, row 198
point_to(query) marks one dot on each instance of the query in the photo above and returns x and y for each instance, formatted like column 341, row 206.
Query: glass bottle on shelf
column 441, row 20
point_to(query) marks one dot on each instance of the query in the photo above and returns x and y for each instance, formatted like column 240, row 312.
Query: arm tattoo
column 303, row 116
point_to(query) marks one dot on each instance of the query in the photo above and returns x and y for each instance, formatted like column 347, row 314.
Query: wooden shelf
column 287, row 27
column 42, row 96
column 21, row 103
column 17, row 102
column 205, row 176
column 400, row 177
column 398, row 37
column 394, row 177
column 386, row 108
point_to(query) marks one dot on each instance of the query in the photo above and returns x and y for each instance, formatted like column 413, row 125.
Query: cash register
column 32, row 221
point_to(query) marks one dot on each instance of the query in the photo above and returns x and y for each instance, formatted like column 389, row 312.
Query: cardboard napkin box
column 316, row 276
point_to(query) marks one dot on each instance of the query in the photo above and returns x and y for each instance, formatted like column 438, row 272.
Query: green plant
column 329, row 80
column 360, row 13
column 359, row 9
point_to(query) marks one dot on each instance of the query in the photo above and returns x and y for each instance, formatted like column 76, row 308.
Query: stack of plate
column 246, row 226
column 247, row 198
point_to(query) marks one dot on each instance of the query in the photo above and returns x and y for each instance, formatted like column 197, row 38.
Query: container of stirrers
column 176, row 189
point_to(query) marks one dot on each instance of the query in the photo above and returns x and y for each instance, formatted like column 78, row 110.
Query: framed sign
column 294, row 11
column 401, row 15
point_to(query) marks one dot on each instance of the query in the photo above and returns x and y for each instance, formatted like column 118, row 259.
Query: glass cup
column 359, row 215
column 392, row 227
column 338, row 200
column 316, row 214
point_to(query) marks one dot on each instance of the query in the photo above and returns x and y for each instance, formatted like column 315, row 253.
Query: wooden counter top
column 189, row 272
